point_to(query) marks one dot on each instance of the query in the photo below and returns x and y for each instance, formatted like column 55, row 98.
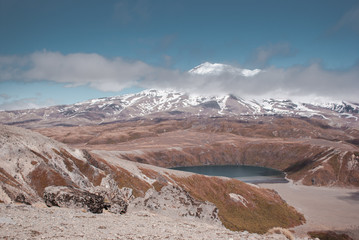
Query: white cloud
column 24, row 103
column 87, row 69
column 11, row 67
column 117, row 74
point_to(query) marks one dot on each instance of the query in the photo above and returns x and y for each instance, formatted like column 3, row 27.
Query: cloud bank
column 24, row 103
column 116, row 74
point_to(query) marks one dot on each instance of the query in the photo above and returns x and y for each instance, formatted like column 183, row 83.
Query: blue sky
column 61, row 52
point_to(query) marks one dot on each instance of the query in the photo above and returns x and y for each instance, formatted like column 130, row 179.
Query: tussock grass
column 43, row 176
column 265, row 209
column 124, row 178
column 161, row 180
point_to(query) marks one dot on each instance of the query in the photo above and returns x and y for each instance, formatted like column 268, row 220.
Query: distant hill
column 171, row 104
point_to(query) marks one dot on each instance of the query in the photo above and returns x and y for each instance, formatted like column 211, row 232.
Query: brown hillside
column 309, row 150
column 31, row 162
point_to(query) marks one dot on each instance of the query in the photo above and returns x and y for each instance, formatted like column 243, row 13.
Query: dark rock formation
column 21, row 198
column 71, row 197
column 116, row 199
column 113, row 199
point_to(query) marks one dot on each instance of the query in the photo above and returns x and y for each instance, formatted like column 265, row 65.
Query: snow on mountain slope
column 169, row 103
column 208, row 68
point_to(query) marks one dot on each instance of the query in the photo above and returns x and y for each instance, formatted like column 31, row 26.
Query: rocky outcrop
column 113, row 199
column 175, row 201
column 116, row 199
column 70, row 197
column 31, row 162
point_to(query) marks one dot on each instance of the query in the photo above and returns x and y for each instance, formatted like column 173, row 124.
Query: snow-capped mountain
column 208, row 68
column 172, row 104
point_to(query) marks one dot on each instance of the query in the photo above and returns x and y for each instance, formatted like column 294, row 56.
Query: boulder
column 21, row 198
column 71, row 197
column 96, row 199
column 115, row 199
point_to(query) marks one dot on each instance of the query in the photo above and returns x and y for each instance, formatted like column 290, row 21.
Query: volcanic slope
column 308, row 150
column 172, row 104
column 31, row 162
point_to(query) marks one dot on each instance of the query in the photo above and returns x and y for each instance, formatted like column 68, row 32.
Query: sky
column 65, row 51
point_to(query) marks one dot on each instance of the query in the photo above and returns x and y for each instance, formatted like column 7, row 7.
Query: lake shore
column 325, row 208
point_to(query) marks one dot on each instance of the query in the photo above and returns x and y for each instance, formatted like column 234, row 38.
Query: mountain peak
column 167, row 103
column 208, row 68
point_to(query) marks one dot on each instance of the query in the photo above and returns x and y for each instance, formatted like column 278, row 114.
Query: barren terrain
column 30, row 163
column 136, row 154
column 334, row 209
column 29, row 222
column 309, row 150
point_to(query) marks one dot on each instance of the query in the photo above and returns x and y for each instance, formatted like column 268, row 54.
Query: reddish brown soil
column 307, row 149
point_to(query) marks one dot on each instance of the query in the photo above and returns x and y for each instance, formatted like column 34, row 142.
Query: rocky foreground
column 19, row 221
column 35, row 169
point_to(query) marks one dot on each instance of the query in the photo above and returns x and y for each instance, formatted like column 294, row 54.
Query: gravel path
column 28, row 222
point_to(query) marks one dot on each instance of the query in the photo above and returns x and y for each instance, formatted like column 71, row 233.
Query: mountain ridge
column 154, row 103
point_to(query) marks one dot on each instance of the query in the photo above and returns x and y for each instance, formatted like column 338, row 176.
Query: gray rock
column 116, row 199
column 176, row 202
column 6, row 220
column 21, row 198
column 71, row 197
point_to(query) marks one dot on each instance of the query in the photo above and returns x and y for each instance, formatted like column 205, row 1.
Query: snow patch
column 208, row 68
column 238, row 198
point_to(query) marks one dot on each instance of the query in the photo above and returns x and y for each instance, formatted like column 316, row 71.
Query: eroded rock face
column 176, row 202
column 22, row 198
column 113, row 199
column 116, row 199
column 71, row 197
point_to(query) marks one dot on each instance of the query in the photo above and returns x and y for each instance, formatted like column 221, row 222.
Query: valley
column 203, row 120
column 309, row 151
column 120, row 156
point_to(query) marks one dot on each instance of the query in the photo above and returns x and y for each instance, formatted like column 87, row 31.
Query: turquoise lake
column 249, row 174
